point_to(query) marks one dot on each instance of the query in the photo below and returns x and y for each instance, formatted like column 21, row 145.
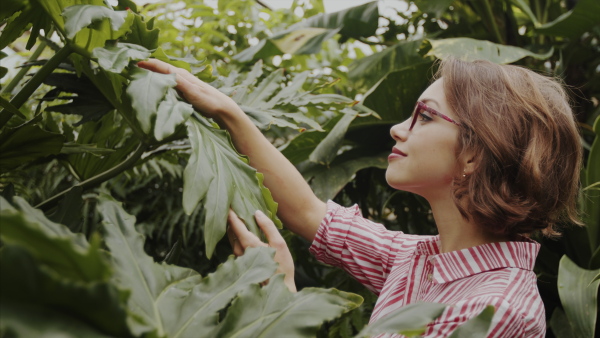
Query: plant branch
column 263, row 5
column 35, row 82
column 490, row 16
column 15, row 80
column 102, row 177
column 375, row 43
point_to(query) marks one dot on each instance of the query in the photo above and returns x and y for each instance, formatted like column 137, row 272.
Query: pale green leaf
column 146, row 90
column 578, row 296
column 78, row 17
column 176, row 301
column 114, row 58
column 468, row 49
column 477, row 326
column 171, row 114
column 410, row 320
column 276, row 311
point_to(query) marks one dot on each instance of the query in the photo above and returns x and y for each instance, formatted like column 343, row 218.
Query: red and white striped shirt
column 403, row 269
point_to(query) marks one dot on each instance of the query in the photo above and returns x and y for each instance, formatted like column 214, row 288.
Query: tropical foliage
column 89, row 129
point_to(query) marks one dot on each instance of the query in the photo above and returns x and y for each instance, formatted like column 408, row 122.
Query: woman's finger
column 165, row 68
column 244, row 236
column 268, row 227
column 234, row 242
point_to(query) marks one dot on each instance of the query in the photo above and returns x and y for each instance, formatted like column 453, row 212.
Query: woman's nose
column 399, row 131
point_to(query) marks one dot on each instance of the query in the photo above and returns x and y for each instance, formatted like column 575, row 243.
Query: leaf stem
column 490, row 16
column 15, row 80
column 35, row 82
column 102, row 177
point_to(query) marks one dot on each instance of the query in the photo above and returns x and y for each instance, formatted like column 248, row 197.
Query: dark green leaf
column 328, row 148
column 68, row 211
column 25, row 144
column 576, row 22
column 141, row 34
column 70, row 255
column 31, row 289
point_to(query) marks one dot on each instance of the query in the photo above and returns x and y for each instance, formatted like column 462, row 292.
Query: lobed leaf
column 172, row 300
column 115, row 57
column 170, row 114
column 146, row 90
column 276, row 310
column 78, row 17
column 222, row 178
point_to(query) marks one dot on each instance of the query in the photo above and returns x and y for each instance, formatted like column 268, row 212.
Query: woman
column 495, row 151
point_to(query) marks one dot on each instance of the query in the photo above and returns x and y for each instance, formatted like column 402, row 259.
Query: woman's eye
column 424, row 117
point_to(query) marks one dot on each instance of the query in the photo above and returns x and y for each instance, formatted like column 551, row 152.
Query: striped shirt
column 403, row 269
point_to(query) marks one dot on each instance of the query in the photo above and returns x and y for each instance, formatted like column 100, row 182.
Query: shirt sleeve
column 364, row 249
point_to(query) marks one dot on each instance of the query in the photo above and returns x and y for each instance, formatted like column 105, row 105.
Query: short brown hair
column 521, row 126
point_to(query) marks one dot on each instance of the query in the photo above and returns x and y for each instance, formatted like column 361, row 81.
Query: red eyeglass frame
column 422, row 106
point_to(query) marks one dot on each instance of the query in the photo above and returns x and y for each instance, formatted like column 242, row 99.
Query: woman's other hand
column 241, row 238
column 205, row 98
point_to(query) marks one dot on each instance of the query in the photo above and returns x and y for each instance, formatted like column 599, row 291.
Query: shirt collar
column 450, row 266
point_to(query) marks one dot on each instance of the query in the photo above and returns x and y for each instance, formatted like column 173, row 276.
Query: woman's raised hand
column 205, row 98
column 240, row 239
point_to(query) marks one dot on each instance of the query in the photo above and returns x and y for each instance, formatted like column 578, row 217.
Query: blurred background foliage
column 364, row 68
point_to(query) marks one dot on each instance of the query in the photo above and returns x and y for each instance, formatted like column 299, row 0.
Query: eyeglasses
column 420, row 107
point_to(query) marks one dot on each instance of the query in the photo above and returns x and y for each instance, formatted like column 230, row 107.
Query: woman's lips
column 396, row 153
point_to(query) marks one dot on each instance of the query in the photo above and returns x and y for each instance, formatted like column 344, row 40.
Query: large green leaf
column 222, row 178
column 477, row 326
column 54, row 244
column 115, row 57
column 176, row 301
column 578, row 296
column 276, row 311
column 78, row 17
column 410, row 320
column 171, row 113
column 306, row 37
column 146, row 90
column 50, row 270
column 25, row 144
column 574, row 23
column 470, row 49
column 31, row 288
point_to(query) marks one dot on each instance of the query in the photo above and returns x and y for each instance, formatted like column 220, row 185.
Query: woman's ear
column 468, row 162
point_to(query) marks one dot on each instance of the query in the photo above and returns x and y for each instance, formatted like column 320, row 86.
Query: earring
column 464, row 173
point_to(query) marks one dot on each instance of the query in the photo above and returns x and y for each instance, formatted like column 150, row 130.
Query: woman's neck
column 457, row 233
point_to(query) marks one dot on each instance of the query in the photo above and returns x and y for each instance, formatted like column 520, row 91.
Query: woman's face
column 424, row 160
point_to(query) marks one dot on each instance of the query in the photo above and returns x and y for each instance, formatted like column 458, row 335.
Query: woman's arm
column 299, row 209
